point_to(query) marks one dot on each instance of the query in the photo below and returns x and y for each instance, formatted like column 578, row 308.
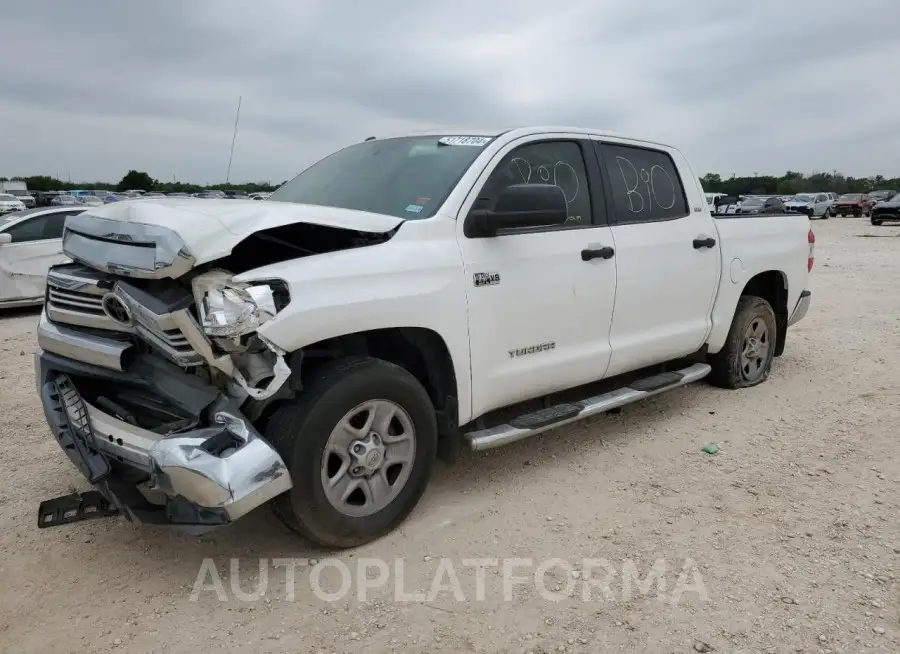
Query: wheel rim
column 755, row 350
column 368, row 458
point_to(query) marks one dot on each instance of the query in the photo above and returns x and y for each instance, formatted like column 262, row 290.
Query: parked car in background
column 178, row 195
column 10, row 203
column 30, row 242
column 153, row 194
column 882, row 195
column 44, row 198
column 854, row 204
column 761, row 204
column 265, row 196
column 90, row 200
column 64, row 200
column 887, row 211
column 112, row 197
column 711, row 198
column 811, row 204
column 24, row 197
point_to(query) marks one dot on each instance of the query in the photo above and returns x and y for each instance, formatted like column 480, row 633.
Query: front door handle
column 703, row 242
column 597, row 253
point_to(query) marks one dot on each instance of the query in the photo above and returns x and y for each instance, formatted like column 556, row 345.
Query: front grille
column 75, row 298
column 77, row 301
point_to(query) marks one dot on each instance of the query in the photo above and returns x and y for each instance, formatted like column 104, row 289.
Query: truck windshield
column 407, row 177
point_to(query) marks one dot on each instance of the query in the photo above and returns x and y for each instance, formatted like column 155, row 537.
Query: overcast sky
column 89, row 89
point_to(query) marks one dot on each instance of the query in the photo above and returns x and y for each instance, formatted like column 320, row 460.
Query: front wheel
column 746, row 359
column 359, row 442
column 876, row 222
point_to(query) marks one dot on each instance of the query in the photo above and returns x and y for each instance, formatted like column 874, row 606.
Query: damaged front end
column 152, row 375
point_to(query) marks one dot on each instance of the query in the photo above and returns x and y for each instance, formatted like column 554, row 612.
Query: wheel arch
column 772, row 286
column 421, row 351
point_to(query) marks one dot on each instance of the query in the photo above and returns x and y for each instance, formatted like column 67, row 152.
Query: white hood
column 211, row 228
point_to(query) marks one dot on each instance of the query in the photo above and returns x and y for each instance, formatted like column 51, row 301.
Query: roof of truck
column 519, row 131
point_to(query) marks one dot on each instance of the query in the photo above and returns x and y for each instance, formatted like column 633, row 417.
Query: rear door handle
column 597, row 253
column 703, row 242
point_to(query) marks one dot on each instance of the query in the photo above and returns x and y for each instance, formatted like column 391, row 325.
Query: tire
column 876, row 222
column 301, row 430
column 728, row 369
column 843, row 215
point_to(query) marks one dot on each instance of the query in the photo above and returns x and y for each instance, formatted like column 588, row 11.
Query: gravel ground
column 791, row 527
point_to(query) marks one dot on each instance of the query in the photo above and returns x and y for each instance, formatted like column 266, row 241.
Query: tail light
column 811, row 239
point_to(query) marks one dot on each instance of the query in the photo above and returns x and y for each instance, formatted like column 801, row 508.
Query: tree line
column 137, row 180
column 788, row 184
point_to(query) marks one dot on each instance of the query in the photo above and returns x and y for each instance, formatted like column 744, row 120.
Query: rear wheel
column 359, row 442
column 876, row 222
column 746, row 359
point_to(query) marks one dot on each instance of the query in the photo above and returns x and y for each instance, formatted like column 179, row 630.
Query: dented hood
column 191, row 231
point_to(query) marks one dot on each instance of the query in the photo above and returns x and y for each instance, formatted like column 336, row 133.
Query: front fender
column 413, row 280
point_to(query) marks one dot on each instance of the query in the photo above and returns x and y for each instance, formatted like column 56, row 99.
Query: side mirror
column 5, row 238
column 520, row 206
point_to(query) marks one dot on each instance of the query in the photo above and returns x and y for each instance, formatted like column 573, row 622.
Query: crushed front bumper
column 200, row 477
column 801, row 309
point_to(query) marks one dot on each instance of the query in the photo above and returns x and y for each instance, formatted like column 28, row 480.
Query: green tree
column 136, row 180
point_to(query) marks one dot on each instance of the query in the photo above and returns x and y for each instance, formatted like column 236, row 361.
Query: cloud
column 96, row 87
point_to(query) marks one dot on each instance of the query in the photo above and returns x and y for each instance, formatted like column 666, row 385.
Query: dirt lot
column 793, row 524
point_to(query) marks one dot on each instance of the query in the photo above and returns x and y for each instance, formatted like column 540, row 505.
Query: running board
column 537, row 422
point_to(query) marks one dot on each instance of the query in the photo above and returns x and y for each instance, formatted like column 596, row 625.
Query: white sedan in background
column 30, row 242
column 10, row 203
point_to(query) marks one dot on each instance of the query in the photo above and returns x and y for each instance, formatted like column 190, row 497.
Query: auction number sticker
column 475, row 141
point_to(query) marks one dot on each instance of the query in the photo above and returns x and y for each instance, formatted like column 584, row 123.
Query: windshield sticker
column 475, row 141
column 414, row 208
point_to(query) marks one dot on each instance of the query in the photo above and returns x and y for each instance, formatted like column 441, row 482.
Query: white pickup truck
column 317, row 351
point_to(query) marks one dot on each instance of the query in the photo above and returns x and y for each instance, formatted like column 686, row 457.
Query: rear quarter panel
column 751, row 245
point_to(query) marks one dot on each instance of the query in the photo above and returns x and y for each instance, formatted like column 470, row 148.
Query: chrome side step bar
column 552, row 417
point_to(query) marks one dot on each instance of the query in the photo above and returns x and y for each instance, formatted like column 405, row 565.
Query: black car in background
column 882, row 195
column 761, row 204
column 888, row 211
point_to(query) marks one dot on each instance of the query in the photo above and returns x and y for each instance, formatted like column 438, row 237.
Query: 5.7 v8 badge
column 486, row 279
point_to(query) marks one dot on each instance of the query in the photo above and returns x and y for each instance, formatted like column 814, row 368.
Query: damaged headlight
column 230, row 309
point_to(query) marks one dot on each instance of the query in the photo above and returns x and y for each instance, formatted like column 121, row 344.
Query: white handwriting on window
column 560, row 174
column 650, row 178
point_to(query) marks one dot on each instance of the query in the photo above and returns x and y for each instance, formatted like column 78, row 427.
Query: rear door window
column 645, row 184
